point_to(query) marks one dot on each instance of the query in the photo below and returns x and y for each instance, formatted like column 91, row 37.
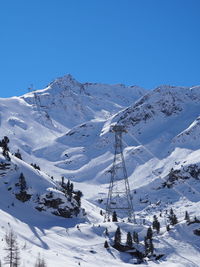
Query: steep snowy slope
column 21, row 182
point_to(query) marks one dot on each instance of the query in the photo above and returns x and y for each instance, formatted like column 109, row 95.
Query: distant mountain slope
column 69, row 102
column 154, row 123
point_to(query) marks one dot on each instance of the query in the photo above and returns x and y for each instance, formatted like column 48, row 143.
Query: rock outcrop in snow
column 21, row 182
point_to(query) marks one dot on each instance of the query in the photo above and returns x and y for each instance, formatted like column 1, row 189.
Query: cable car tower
column 119, row 197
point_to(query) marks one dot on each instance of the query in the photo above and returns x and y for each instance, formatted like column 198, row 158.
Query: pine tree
column 106, row 232
column 187, row 216
column 171, row 212
column 34, row 165
column 12, row 258
column 71, row 188
column 148, row 245
column 16, row 262
column 175, row 220
column 117, row 238
column 149, row 233
column 77, row 197
column 4, row 144
column 62, row 181
column 135, row 237
column 18, row 155
column 129, row 241
column 40, row 262
column 68, row 187
column 22, row 182
column 172, row 217
column 114, row 217
column 156, row 224
column 151, row 246
column 106, row 244
column 22, row 195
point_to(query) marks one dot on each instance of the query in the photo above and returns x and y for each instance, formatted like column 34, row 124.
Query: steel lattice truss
column 119, row 197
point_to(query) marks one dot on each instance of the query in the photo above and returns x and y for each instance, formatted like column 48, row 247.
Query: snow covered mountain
column 65, row 129
column 68, row 102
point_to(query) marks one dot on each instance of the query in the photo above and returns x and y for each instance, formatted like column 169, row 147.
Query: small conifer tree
column 40, row 262
column 18, row 155
column 129, row 241
column 187, row 216
column 172, row 217
column 117, row 238
column 12, row 258
column 151, row 246
column 78, row 196
column 156, row 224
column 149, row 233
column 114, row 217
column 4, row 144
column 106, row 231
column 22, row 195
column 22, row 182
column 148, row 245
column 106, row 244
column 135, row 237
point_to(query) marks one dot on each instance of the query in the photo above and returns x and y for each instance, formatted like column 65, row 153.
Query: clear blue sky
column 143, row 42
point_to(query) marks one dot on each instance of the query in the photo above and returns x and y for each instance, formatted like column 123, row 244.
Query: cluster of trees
column 132, row 243
column 40, row 262
column 18, row 154
column 132, row 239
column 172, row 219
column 148, row 247
column 4, row 145
column 148, row 242
column 13, row 258
column 189, row 220
column 68, row 189
column 34, row 165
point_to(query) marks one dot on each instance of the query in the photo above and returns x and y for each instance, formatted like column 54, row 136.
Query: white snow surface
column 65, row 129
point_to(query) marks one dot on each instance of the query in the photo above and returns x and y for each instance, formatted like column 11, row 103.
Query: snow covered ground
column 64, row 129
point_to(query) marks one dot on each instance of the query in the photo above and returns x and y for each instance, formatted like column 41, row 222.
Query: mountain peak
column 64, row 82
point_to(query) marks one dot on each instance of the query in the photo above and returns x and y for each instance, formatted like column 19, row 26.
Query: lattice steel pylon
column 119, row 196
